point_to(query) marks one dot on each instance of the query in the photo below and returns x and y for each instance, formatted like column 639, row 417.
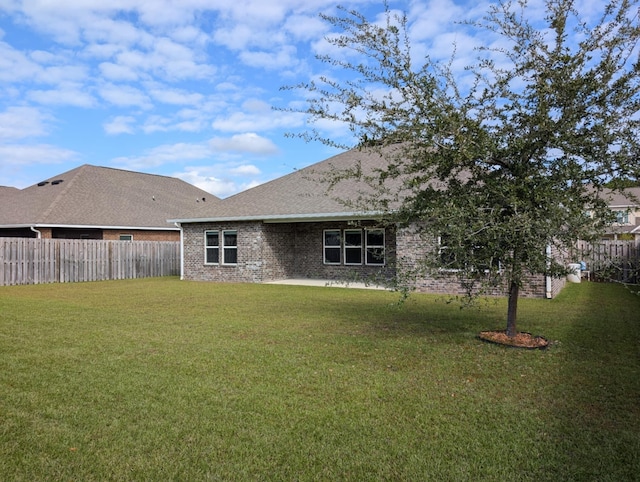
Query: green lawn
column 162, row 379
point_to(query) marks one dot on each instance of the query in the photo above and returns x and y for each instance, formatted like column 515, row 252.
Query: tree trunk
column 512, row 310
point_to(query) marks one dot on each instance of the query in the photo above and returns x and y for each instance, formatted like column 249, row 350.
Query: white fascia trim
column 286, row 218
column 88, row 226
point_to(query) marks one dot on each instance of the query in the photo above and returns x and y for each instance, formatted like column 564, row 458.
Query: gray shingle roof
column 102, row 197
column 617, row 199
column 299, row 195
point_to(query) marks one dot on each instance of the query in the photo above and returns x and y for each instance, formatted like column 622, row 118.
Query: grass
column 162, row 379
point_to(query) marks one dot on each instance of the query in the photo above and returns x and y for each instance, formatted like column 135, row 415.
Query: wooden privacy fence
column 611, row 260
column 35, row 261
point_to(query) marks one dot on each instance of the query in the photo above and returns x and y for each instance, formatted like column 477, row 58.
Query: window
column 212, row 247
column 375, row 247
column 447, row 257
column 482, row 256
column 230, row 247
column 622, row 217
column 352, row 246
column 126, row 237
column 331, row 246
column 221, row 249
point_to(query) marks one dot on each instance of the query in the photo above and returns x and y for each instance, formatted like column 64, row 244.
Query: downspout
column 548, row 278
column 38, row 233
column 181, row 251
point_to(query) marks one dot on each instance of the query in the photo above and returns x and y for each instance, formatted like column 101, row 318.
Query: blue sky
column 182, row 88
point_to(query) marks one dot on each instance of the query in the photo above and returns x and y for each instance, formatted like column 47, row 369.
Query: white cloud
column 304, row 27
column 15, row 66
column 237, row 37
column 66, row 94
column 168, row 95
column 26, row 155
column 124, row 96
column 245, row 170
column 257, row 121
column 166, row 154
column 117, row 72
column 167, row 59
column 22, row 122
column 250, row 143
column 222, row 180
column 284, row 57
column 216, row 186
column 119, row 125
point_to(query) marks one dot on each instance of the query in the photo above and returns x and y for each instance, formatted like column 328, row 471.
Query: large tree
column 505, row 158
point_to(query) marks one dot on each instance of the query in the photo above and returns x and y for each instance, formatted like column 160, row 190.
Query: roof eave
column 285, row 218
column 88, row 226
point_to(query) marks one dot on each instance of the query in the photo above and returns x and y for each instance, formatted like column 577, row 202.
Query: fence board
column 35, row 261
column 611, row 260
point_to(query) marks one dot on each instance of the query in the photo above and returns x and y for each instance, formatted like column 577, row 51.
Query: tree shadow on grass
column 594, row 406
column 387, row 314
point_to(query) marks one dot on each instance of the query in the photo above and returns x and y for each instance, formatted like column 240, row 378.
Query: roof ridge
column 60, row 195
column 138, row 173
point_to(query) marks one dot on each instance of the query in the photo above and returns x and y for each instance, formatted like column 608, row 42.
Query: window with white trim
column 374, row 247
column 331, row 245
column 221, row 247
column 622, row 217
column 352, row 246
column 212, row 247
column 449, row 260
column 230, row 247
column 126, row 237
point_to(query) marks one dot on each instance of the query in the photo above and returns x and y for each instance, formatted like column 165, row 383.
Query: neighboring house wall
column 628, row 227
column 92, row 233
column 141, row 235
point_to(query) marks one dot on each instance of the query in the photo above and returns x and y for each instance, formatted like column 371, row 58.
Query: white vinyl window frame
column 622, row 216
column 454, row 265
column 221, row 247
column 332, row 246
column 353, row 247
column 230, row 247
column 212, row 247
column 374, row 239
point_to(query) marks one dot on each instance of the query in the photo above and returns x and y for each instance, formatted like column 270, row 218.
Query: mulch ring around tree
column 521, row 340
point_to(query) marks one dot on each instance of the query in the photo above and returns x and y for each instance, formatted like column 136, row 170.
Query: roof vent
column 56, row 182
column 43, row 183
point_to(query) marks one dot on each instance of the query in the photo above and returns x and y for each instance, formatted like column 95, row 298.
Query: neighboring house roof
column 6, row 193
column 298, row 196
column 630, row 197
column 92, row 196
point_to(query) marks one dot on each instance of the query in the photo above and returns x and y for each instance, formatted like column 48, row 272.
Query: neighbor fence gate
column 611, row 260
column 35, row 261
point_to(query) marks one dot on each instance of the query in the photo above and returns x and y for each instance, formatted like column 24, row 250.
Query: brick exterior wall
column 269, row 252
column 140, row 235
column 412, row 246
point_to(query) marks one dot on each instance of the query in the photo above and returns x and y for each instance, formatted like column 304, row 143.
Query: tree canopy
column 507, row 157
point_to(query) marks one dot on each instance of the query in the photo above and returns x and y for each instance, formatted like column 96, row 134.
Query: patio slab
column 326, row 283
